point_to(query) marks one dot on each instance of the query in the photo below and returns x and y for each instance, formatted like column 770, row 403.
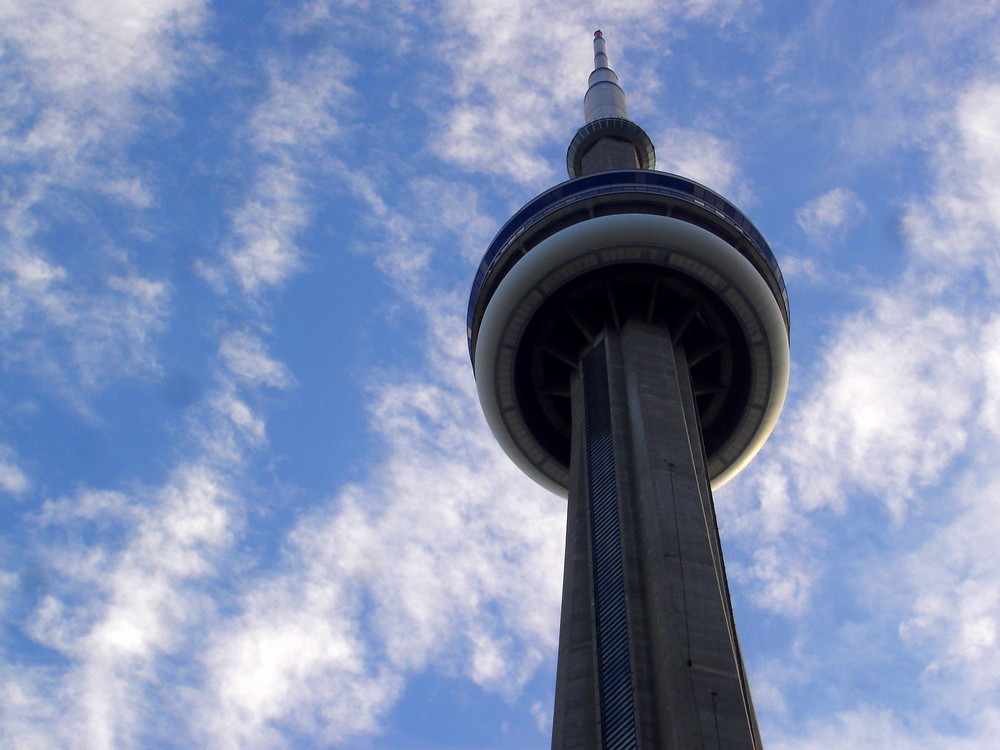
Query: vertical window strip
column 614, row 668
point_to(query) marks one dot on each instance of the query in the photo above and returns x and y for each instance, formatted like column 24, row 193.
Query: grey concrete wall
column 609, row 154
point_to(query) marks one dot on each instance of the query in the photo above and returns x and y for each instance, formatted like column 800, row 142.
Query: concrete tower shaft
column 648, row 653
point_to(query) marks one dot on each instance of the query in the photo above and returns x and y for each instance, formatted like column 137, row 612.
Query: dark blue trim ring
column 637, row 181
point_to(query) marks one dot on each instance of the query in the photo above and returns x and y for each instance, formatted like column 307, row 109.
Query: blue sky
column 247, row 497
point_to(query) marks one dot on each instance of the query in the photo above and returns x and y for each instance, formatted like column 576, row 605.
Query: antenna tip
column 598, row 35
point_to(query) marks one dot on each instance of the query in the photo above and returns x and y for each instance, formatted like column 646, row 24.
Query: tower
column 629, row 335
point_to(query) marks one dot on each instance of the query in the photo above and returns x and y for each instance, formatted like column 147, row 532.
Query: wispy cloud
column 300, row 113
column 75, row 76
column 827, row 216
column 467, row 581
column 704, row 158
column 911, row 80
column 72, row 83
column 118, row 610
column 77, row 333
column 13, row 480
column 248, row 360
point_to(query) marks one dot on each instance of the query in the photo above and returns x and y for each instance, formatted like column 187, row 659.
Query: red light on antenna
column 598, row 35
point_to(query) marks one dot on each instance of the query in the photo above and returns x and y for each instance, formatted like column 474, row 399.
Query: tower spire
column 608, row 141
column 605, row 96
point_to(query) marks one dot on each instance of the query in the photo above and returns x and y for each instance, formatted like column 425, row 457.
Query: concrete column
column 689, row 690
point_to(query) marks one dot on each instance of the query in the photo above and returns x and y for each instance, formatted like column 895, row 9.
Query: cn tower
column 629, row 335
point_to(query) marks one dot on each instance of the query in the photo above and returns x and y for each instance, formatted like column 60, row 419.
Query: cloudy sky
column 247, row 498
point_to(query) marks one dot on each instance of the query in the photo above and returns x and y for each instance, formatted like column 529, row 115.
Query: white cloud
column 325, row 643
column 442, row 558
column 704, row 158
column 874, row 729
column 116, row 610
column 85, row 64
column 263, row 252
column 801, row 271
column 953, row 581
column 89, row 505
column 303, row 104
column 822, row 217
column 79, row 333
column 73, row 79
column 78, row 77
column 295, row 658
column 29, row 716
column 542, row 715
column 121, row 604
column 300, row 114
column 448, row 206
column 968, row 208
column 240, row 415
column 442, row 215
column 468, row 588
column 909, row 378
column 247, row 360
column 914, row 75
column 780, row 589
column 136, row 49
column 13, row 480
column 897, row 383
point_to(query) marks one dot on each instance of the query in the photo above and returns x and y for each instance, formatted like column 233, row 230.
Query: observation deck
column 596, row 250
